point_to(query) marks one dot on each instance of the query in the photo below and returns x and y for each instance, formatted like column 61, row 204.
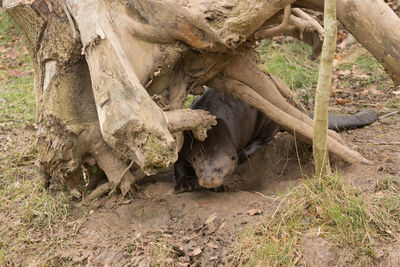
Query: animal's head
column 214, row 159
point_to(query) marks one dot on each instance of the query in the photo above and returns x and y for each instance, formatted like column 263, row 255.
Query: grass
column 17, row 101
column 291, row 61
column 29, row 215
column 328, row 207
column 29, row 218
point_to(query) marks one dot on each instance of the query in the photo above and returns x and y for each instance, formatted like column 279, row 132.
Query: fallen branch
column 389, row 114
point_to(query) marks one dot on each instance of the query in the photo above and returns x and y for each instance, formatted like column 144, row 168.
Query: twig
column 377, row 143
column 261, row 194
column 280, row 203
column 389, row 114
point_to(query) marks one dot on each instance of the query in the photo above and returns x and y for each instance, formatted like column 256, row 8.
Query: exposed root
column 189, row 119
column 264, row 85
column 304, row 22
column 279, row 116
column 281, row 28
column 287, row 93
column 98, row 192
column 115, row 169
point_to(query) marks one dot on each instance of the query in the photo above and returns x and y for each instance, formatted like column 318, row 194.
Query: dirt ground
column 199, row 228
column 158, row 227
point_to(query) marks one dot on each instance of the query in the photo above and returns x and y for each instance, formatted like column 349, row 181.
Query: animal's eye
column 219, row 170
column 233, row 158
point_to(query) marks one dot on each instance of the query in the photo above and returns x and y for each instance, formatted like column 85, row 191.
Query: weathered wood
column 188, row 119
column 129, row 119
column 263, row 84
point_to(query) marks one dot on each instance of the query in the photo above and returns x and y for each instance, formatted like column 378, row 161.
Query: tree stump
column 111, row 76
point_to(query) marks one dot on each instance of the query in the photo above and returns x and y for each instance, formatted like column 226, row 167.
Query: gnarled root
column 287, row 93
column 199, row 121
column 264, row 85
column 278, row 115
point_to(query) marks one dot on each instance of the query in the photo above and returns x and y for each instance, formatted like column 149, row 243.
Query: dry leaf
column 211, row 218
column 11, row 53
column 212, row 244
column 318, row 210
column 343, row 72
column 342, row 101
column 196, row 251
column 253, row 212
column 362, row 76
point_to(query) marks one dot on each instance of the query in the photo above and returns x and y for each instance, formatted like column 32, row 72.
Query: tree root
column 278, row 115
column 304, row 22
column 264, row 85
column 281, row 28
column 287, row 93
column 116, row 170
column 199, row 121
column 98, row 192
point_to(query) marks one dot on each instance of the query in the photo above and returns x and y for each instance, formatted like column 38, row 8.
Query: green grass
column 349, row 219
column 17, row 101
column 291, row 61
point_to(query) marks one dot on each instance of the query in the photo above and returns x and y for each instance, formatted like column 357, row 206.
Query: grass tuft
column 329, row 208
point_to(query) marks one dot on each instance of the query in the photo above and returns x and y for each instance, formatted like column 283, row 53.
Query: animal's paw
column 187, row 185
column 221, row 188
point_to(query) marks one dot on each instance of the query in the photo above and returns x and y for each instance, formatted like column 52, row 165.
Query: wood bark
column 320, row 127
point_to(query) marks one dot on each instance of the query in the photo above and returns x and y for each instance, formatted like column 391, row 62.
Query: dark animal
column 239, row 132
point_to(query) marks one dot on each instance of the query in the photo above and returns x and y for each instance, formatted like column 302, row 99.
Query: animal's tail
column 360, row 119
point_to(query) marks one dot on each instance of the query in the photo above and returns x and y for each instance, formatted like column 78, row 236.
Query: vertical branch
column 320, row 127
